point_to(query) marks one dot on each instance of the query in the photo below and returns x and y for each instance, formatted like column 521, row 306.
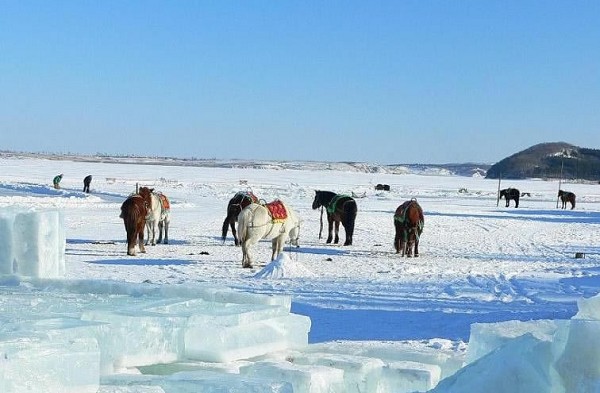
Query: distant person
column 86, row 183
column 56, row 181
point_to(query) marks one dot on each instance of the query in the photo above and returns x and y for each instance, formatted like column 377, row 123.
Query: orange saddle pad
column 164, row 201
column 277, row 210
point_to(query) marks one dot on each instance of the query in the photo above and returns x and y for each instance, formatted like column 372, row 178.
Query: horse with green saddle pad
column 340, row 209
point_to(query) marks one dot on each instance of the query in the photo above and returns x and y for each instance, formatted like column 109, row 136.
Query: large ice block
column 224, row 343
column 361, row 374
column 49, row 364
column 304, row 379
column 579, row 363
column 32, row 243
column 521, row 365
column 198, row 382
column 485, row 337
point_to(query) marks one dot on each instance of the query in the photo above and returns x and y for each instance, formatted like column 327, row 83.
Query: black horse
column 234, row 207
column 510, row 193
column 340, row 208
column 566, row 196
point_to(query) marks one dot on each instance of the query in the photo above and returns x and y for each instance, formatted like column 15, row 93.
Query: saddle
column 277, row 210
column 164, row 202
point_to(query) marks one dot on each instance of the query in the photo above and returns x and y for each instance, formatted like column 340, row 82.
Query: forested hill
column 549, row 160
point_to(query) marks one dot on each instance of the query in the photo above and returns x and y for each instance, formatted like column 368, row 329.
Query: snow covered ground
column 479, row 262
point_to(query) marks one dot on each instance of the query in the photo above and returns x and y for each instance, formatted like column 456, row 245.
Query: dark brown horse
column 340, row 208
column 133, row 213
column 566, row 196
column 234, row 207
column 408, row 221
column 510, row 193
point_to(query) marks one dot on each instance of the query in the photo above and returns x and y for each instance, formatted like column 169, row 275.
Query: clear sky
column 402, row 81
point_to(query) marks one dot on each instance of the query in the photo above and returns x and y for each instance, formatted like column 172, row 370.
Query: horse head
column 317, row 201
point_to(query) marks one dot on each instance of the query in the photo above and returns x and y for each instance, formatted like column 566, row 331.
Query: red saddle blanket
column 277, row 210
column 164, row 201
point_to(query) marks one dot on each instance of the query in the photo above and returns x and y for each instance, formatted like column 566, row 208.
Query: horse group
column 145, row 210
column 514, row 194
column 258, row 220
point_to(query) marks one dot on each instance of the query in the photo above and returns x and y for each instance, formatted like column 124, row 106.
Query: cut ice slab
column 57, row 364
column 193, row 382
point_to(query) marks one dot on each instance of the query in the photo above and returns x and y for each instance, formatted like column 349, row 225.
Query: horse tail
column 225, row 228
column 243, row 221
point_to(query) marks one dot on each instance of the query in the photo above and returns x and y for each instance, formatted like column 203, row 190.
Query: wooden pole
column 498, row 193
column 559, row 181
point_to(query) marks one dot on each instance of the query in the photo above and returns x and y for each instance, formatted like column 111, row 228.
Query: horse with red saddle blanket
column 274, row 221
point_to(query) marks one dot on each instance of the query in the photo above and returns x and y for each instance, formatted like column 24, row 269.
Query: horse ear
column 151, row 189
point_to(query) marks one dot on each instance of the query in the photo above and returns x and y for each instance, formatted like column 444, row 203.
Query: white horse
column 255, row 222
column 158, row 217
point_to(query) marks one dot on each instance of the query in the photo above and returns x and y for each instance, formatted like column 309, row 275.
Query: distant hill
column 549, row 160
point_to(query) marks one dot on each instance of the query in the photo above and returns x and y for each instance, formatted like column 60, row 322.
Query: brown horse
column 239, row 201
column 409, row 221
column 566, row 196
column 340, row 208
column 133, row 213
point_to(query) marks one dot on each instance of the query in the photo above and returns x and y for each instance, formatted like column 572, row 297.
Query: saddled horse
column 340, row 209
column 239, row 201
column 158, row 217
column 409, row 222
column 133, row 213
column 274, row 221
column 566, row 196
column 510, row 193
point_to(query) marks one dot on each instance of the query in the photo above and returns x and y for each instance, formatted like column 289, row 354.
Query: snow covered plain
column 479, row 262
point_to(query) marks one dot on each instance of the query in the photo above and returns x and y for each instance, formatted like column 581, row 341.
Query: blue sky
column 378, row 81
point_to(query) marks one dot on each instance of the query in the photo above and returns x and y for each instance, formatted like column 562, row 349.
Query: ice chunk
column 485, row 337
column 304, row 379
column 222, row 343
column 197, row 382
column 588, row 308
column 34, row 364
column 361, row 374
column 522, row 365
column 408, row 377
column 32, row 243
column 579, row 364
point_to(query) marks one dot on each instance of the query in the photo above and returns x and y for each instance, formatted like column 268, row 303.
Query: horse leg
column 276, row 247
column 337, row 232
column 166, row 228
column 236, row 240
column 141, row 239
column 516, row 202
column 246, row 261
column 329, row 229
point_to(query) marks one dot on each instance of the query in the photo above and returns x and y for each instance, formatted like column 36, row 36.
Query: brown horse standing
column 340, row 208
column 133, row 213
column 409, row 221
column 239, row 201
column 566, row 196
